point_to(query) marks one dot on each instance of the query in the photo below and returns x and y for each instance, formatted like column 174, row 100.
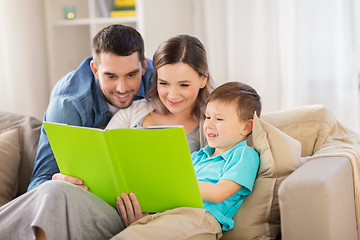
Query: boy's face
column 119, row 77
column 223, row 127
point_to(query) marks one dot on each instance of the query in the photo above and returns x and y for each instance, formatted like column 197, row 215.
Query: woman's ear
column 247, row 127
column 204, row 81
column 94, row 68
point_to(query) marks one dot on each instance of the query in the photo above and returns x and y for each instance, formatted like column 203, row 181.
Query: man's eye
column 131, row 75
column 110, row 76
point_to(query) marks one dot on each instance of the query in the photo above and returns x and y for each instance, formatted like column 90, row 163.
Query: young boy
column 225, row 169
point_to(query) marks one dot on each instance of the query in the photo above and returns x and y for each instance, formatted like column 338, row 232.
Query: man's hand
column 129, row 208
column 70, row 179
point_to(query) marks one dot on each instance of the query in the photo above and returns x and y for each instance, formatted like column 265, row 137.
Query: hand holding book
column 129, row 208
column 70, row 179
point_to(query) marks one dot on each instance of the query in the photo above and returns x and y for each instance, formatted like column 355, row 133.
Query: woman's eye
column 162, row 83
column 220, row 119
column 185, row 85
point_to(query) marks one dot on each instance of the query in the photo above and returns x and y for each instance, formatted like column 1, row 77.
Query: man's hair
column 181, row 49
column 118, row 39
column 245, row 97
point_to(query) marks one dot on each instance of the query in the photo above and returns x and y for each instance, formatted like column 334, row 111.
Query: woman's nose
column 173, row 93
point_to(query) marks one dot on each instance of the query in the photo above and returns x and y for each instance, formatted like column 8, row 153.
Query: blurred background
column 293, row 52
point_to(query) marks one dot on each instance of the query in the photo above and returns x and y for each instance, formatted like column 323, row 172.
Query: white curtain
column 293, row 52
column 23, row 77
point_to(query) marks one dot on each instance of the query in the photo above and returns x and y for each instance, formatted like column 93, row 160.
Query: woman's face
column 178, row 87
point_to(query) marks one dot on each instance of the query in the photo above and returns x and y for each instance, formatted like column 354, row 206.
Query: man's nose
column 121, row 86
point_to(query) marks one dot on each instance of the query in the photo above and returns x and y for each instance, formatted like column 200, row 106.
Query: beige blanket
column 344, row 143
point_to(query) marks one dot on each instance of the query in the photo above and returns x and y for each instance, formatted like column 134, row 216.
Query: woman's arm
column 130, row 117
column 218, row 192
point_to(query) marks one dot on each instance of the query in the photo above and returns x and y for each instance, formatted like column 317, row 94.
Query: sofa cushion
column 30, row 129
column 279, row 156
column 312, row 125
column 10, row 156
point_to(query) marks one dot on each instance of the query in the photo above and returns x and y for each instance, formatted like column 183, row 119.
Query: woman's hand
column 129, row 208
column 70, row 179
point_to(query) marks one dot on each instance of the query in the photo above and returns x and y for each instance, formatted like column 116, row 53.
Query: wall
column 23, row 68
column 164, row 19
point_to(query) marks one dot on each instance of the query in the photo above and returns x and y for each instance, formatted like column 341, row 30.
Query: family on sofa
column 177, row 87
column 110, row 81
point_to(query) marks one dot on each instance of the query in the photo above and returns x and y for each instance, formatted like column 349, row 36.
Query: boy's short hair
column 118, row 39
column 245, row 97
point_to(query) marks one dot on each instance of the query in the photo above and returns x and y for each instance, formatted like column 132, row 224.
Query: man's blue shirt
column 76, row 100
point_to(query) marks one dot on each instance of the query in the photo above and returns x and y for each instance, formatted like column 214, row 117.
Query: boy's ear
column 248, row 127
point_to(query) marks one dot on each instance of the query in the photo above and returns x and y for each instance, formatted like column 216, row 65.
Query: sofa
column 306, row 188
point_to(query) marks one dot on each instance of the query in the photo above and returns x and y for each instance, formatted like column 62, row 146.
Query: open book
column 155, row 164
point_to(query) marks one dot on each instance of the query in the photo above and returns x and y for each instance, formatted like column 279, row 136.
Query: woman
column 60, row 210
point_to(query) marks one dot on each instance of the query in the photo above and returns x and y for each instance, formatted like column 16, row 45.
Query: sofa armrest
column 317, row 201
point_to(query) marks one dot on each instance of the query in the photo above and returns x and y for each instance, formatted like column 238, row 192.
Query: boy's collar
column 209, row 150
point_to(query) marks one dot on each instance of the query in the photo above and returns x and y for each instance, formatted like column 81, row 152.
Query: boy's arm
column 218, row 192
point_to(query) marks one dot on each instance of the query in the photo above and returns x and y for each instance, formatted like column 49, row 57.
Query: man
column 117, row 74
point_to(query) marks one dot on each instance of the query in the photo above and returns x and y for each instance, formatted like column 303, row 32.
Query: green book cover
column 153, row 163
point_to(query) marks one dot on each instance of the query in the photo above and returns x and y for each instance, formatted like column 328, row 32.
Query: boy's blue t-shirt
column 239, row 164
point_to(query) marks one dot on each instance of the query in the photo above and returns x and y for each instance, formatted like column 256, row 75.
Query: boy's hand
column 70, row 179
column 129, row 208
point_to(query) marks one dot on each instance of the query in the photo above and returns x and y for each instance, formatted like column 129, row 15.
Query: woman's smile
column 174, row 103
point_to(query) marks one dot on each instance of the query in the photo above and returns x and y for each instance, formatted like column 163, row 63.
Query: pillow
column 258, row 217
column 312, row 125
column 10, row 156
column 30, row 132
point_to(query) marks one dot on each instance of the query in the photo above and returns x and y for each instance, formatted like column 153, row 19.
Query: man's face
column 119, row 77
